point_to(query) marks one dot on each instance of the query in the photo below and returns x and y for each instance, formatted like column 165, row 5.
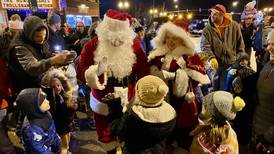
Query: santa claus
column 112, row 62
column 175, row 61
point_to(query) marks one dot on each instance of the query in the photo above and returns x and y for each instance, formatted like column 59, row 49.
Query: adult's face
column 80, row 28
column 216, row 17
column 270, row 48
column 141, row 34
column 39, row 36
column 172, row 42
column 58, row 26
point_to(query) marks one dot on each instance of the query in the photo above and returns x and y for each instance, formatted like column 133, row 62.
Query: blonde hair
column 214, row 131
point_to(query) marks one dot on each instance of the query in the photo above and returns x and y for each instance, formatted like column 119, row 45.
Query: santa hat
column 222, row 106
column 179, row 29
column 149, row 104
column 113, row 22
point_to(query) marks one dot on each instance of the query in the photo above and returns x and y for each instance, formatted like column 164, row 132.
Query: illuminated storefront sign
column 24, row 4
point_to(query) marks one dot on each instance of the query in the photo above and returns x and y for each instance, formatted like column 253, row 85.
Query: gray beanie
column 54, row 19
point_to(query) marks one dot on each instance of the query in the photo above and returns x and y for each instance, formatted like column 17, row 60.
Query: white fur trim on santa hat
column 177, row 31
column 110, row 29
column 197, row 76
column 98, row 107
column 92, row 78
column 114, row 24
column 181, row 83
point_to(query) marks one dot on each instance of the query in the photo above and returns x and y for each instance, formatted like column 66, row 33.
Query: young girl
column 40, row 135
column 63, row 106
column 216, row 136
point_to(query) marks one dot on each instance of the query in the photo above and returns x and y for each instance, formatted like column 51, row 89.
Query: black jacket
column 27, row 60
column 56, row 41
column 140, row 136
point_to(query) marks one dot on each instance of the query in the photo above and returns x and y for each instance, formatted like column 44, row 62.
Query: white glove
column 102, row 66
column 168, row 75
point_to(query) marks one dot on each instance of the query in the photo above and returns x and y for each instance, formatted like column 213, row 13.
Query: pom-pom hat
column 151, row 91
column 222, row 105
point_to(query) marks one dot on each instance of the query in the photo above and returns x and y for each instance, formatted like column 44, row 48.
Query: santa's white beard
column 120, row 59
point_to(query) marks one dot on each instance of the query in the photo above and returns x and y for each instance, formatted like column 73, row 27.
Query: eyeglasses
column 79, row 26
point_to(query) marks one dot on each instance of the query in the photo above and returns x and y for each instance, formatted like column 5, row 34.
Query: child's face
column 56, row 85
column 244, row 62
column 44, row 107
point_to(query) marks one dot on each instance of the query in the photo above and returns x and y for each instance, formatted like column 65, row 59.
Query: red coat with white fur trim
column 186, row 68
column 139, row 69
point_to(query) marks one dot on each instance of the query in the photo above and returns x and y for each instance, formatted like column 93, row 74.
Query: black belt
column 114, row 82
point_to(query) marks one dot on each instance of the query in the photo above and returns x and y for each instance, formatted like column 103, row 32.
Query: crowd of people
column 153, row 94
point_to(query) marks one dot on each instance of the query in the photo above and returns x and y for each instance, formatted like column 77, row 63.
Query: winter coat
column 74, row 37
column 56, row 41
column 264, row 118
column 37, row 140
column 142, row 136
column 27, row 60
column 39, row 136
column 247, row 33
column 224, row 49
column 201, row 145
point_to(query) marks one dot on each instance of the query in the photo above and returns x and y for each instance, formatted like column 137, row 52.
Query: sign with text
column 24, row 4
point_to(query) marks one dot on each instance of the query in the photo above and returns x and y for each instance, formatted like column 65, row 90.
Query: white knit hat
column 222, row 103
column 16, row 24
column 151, row 91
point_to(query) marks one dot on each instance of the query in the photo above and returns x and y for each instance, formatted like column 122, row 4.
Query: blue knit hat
column 54, row 19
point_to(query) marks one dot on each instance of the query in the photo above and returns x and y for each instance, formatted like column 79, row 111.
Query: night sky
column 183, row 4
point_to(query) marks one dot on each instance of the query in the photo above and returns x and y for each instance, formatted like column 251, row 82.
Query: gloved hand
column 102, row 66
column 213, row 63
column 168, row 75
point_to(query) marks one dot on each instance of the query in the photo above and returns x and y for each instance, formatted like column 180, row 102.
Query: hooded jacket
column 224, row 47
column 40, row 135
column 27, row 60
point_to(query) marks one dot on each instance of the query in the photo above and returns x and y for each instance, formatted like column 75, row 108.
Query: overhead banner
column 25, row 4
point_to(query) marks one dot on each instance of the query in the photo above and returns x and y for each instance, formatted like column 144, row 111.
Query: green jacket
column 224, row 49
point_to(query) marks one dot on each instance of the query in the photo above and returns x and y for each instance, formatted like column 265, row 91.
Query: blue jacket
column 37, row 140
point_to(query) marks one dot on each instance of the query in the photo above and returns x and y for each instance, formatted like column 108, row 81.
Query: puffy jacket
column 38, row 141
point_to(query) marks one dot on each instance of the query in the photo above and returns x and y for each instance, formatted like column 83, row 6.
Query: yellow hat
column 151, row 91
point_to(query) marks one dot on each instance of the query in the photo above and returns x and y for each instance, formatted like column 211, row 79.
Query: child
column 149, row 121
column 63, row 106
column 40, row 135
column 241, row 81
column 216, row 136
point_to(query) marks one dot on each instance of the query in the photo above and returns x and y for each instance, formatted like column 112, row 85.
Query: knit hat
column 218, row 7
column 249, row 11
column 54, row 19
column 222, row 105
column 16, row 24
column 151, row 91
column 270, row 35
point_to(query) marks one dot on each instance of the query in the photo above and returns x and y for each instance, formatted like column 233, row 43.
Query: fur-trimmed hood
column 189, row 47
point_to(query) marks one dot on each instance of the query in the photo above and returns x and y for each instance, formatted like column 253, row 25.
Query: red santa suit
column 125, row 65
column 188, row 71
